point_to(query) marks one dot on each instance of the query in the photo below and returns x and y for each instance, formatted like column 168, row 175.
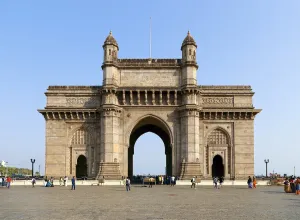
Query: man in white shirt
column 193, row 180
column 173, row 181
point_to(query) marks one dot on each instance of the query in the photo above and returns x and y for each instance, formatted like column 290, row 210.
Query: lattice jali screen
column 82, row 136
column 217, row 136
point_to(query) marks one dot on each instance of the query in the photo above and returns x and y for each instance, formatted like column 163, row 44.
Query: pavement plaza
column 159, row 202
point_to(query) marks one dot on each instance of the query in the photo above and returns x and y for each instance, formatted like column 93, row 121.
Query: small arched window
column 109, row 52
column 190, row 52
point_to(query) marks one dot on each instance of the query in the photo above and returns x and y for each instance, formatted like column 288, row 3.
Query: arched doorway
column 217, row 166
column 81, row 167
column 158, row 127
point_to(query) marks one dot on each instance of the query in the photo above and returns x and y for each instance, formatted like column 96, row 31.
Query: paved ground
column 160, row 202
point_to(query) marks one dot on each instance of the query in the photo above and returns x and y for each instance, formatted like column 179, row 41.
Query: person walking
column 8, row 180
column 193, row 181
column 127, row 184
column 33, row 182
column 73, row 183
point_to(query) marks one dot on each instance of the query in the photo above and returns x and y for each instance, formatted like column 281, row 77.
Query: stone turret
column 189, row 63
column 110, row 48
column 110, row 71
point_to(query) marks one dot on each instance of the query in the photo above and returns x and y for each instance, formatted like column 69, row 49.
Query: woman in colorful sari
column 254, row 182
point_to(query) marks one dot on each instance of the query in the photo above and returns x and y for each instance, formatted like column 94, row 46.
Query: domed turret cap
column 110, row 40
column 188, row 40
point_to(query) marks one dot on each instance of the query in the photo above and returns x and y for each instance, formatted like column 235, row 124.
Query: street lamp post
column 32, row 163
column 267, row 161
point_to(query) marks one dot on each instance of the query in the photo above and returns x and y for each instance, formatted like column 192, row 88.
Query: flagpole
column 150, row 38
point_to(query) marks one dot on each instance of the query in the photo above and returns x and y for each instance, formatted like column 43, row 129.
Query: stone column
column 190, row 154
column 130, row 97
column 168, row 97
column 146, row 101
column 153, row 97
column 160, row 97
column 109, row 165
column 138, row 97
column 124, row 98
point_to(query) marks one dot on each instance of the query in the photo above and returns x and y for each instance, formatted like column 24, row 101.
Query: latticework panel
column 82, row 136
column 217, row 136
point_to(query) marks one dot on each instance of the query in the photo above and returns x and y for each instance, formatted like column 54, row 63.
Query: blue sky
column 253, row 43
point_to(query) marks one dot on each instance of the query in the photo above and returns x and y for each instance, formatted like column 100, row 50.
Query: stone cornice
column 230, row 114
column 143, row 63
column 70, row 114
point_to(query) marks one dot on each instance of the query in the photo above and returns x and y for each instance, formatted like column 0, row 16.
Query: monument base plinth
column 190, row 170
column 109, row 171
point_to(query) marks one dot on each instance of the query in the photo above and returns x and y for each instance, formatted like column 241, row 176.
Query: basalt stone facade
column 207, row 130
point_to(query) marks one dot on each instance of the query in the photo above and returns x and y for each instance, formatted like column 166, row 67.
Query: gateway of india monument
column 207, row 130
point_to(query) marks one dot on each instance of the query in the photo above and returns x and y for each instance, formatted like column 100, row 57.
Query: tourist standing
column 173, row 181
column 66, row 181
column 193, row 181
column 60, row 181
column 249, row 182
column 73, row 183
column 33, row 182
column 215, row 182
column 221, row 180
column 8, row 180
column 297, row 183
column 254, row 182
column 127, row 184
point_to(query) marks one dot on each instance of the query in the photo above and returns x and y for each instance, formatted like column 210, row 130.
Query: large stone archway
column 157, row 95
column 157, row 126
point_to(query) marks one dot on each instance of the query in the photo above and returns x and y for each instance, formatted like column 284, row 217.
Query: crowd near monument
column 207, row 130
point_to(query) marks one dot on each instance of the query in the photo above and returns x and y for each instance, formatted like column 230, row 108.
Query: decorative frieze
column 217, row 101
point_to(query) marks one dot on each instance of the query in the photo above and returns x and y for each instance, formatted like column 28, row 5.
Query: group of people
column 251, row 182
column 217, row 180
column 293, row 185
column 5, row 181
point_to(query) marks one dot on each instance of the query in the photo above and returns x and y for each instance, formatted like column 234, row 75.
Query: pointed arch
column 150, row 119
column 218, row 135
column 82, row 136
column 218, row 140
column 156, row 125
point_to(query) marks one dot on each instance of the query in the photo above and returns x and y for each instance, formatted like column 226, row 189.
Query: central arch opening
column 149, row 155
column 81, row 167
column 157, row 126
column 218, row 167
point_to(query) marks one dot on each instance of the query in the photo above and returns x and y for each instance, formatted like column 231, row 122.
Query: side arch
column 82, row 142
column 218, row 142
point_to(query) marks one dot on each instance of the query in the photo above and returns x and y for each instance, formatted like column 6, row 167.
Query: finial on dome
column 110, row 40
column 188, row 40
